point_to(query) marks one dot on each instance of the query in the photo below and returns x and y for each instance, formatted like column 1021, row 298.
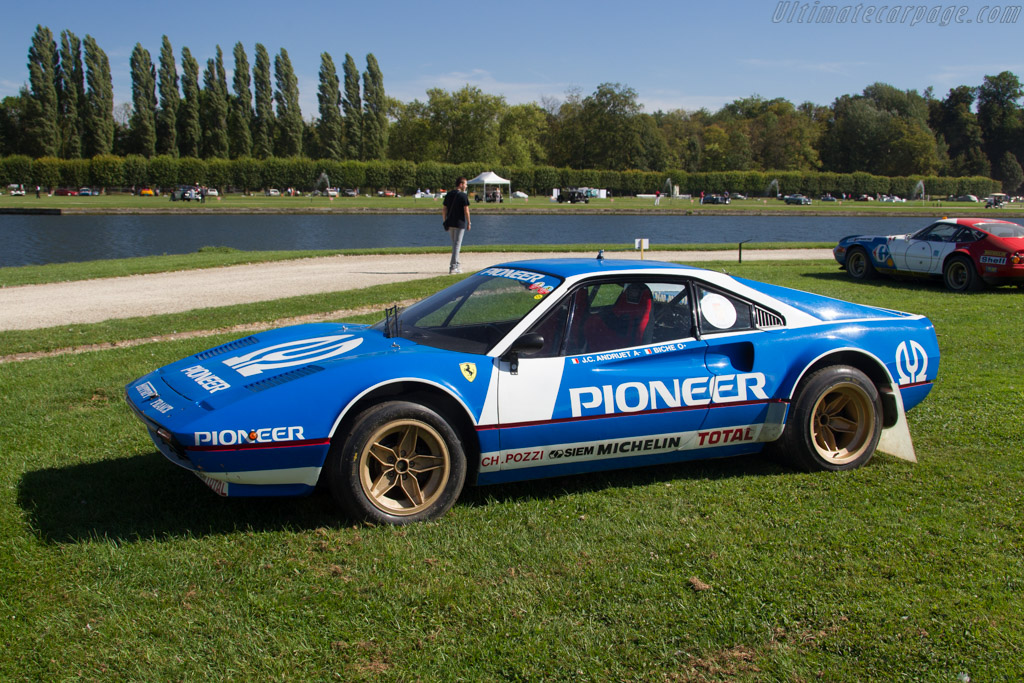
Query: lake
column 58, row 239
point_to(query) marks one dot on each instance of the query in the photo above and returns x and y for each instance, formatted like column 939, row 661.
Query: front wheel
column 835, row 421
column 960, row 276
column 401, row 463
column 858, row 264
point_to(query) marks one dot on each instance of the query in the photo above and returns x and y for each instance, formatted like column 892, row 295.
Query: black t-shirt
column 456, row 201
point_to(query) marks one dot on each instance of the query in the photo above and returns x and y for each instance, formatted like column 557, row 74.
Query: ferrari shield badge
column 468, row 370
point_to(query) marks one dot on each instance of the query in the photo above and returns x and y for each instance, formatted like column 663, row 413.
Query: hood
column 261, row 361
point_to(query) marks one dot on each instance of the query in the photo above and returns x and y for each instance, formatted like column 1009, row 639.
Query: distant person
column 455, row 212
column 657, row 197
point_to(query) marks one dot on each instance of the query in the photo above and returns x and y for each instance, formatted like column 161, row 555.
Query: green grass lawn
column 116, row 565
column 238, row 202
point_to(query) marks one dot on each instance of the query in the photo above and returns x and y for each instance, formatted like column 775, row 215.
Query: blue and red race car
column 967, row 253
column 539, row 369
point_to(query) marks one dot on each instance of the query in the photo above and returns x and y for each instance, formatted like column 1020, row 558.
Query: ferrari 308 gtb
column 540, row 369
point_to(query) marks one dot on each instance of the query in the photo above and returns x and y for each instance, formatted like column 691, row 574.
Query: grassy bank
column 114, row 564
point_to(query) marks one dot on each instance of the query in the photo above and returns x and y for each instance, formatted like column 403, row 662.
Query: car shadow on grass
column 140, row 498
column 904, row 282
column 757, row 465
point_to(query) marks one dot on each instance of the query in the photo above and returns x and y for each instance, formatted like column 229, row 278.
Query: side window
column 942, row 233
column 968, row 235
column 611, row 315
column 552, row 327
column 721, row 312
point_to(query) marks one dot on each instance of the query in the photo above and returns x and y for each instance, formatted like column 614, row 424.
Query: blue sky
column 675, row 55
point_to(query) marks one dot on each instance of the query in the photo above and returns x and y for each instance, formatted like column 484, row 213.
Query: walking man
column 455, row 212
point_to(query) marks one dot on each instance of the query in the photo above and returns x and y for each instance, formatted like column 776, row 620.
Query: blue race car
column 539, row 369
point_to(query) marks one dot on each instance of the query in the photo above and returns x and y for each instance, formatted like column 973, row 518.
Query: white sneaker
column 455, row 271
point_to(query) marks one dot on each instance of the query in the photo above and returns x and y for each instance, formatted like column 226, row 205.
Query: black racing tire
column 401, row 463
column 960, row 275
column 834, row 422
column 859, row 265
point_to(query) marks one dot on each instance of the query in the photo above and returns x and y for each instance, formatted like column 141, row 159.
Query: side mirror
column 527, row 344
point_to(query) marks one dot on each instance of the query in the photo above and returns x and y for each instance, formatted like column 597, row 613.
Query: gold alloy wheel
column 842, row 422
column 957, row 275
column 856, row 263
column 404, row 467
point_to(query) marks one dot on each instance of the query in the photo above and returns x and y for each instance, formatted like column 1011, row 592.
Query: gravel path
column 89, row 301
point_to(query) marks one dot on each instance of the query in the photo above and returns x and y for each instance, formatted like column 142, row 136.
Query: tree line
column 248, row 174
column 66, row 111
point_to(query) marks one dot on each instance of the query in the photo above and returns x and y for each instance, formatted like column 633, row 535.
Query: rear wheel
column 401, row 463
column 835, row 421
column 858, row 264
column 960, row 276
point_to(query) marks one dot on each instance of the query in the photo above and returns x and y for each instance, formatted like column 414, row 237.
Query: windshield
column 475, row 314
column 1002, row 229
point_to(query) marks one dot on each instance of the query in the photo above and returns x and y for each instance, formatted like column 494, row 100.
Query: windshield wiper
column 391, row 321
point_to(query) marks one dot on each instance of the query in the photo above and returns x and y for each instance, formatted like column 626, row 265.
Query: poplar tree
column 263, row 124
column 214, row 109
column 374, row 112
column 170, row 100
column 289, row 115
column 41, row 126
column 142, row 127
column 98, row 121
column 240, row 111
column 189, row 131
column 352, row 105
column 71, row 95
column 330, row 129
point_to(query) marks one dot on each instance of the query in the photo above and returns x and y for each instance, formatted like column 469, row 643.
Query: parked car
column 541, row 368
column 827, row 198
column 88, row 192
column 184, row 193
column 212, row 192
column 65, row 192
column 272, row 192
column 797, row 199
column 573, row 196
column 967, row 253
column 16, row 190
column 352, row 192
column 714, row 199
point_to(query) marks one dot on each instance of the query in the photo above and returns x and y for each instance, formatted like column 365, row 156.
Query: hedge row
column 405, row 176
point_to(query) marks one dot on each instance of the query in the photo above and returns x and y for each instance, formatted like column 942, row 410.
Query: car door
column 621, row 381
column 918, row 256
column 744, row 365
column 927, row 249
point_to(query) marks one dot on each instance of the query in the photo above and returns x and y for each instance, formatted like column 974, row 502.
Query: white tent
column 490, row 178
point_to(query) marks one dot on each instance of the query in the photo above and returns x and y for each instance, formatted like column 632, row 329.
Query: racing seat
column 624, row 325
